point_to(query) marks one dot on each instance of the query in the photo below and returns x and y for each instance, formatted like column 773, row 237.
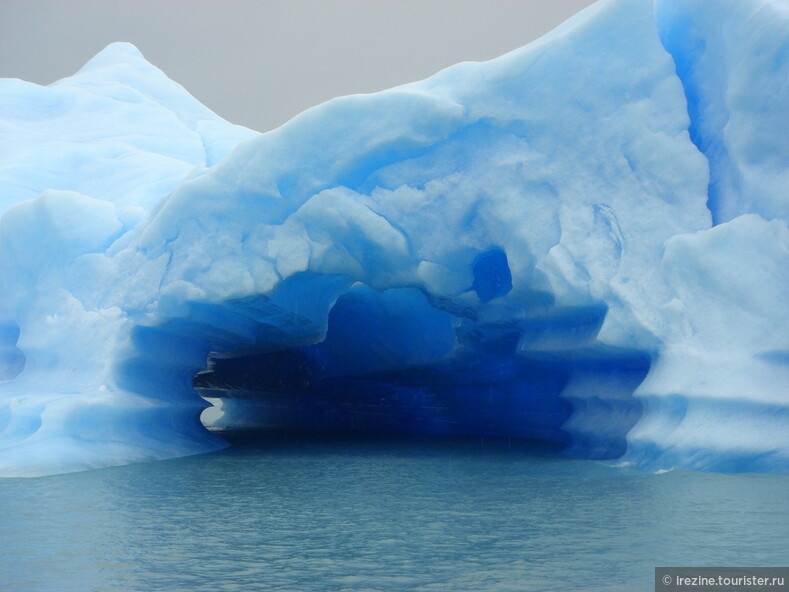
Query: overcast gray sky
column 260, row 62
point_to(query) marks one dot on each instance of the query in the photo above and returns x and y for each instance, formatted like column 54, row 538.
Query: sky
column 260, row 62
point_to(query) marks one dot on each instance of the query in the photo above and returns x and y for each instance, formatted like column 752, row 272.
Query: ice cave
column 583, row 242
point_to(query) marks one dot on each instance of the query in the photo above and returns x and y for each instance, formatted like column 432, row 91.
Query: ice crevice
column 706, row 132
column 533, row 247
column 723, row 106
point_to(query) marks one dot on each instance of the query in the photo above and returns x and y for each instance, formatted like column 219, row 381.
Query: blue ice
column 582, row 242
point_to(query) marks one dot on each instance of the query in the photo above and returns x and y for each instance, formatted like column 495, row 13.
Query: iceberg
column 582, row 242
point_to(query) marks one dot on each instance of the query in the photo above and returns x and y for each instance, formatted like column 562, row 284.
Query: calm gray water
column 363, row 514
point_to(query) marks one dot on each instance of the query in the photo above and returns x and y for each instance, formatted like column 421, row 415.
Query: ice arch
column 395, row 362
column 519, row 247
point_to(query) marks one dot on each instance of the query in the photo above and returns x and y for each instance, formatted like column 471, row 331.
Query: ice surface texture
column 583, row 241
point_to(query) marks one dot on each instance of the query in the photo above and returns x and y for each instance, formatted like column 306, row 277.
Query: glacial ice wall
column 582, row 242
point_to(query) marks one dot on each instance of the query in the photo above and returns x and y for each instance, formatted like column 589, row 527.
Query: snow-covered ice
column 583, row 242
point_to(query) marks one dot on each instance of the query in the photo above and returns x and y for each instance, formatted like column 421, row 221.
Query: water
column 367, row 514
